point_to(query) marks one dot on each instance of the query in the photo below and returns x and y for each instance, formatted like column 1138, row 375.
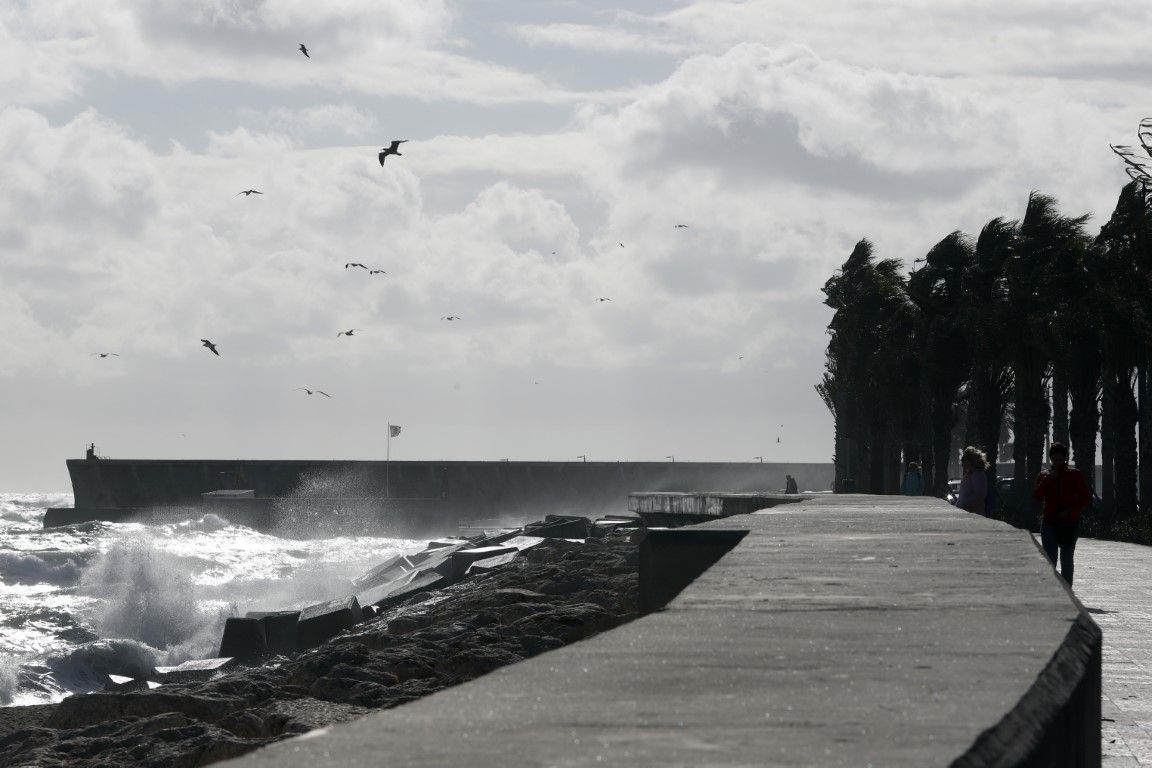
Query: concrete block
column 523, row 542
column 385, row 571
column 417, row 584
column 490, row 563
column 197, row 669
column 560, row 527
column 441, row 543
column 279, row 629
column 243, row 638
column 124, row 683
column 319, row 622
column 457, row 564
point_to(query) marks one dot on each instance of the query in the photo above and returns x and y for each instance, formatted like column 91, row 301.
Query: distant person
column 1065, row 495
column 974, row 484
column 913, row 483
column 790, row 485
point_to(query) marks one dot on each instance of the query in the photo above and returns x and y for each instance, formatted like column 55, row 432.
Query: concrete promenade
column 1114, row 582
column 846, row 630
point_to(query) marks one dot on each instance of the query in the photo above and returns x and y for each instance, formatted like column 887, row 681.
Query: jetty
column 842, row 630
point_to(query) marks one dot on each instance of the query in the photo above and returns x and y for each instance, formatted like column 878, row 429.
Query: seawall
column 438, row 494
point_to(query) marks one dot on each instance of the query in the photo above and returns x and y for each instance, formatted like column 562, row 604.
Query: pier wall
column 446, row 491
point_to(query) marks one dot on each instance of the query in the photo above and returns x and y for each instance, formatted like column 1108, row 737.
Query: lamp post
column 671, row 457
column 582, row 457
column 759, row 458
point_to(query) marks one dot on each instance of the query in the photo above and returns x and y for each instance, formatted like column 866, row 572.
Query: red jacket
column 1069, row 495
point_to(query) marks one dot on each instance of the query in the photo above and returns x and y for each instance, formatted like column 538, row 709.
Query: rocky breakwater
column 412, row 626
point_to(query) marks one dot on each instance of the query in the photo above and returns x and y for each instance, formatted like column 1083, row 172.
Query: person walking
column 913, row 483
column 974, row 483
column 1065, row 495
column 790, row 485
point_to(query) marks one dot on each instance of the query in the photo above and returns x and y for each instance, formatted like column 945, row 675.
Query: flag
column 393, row 430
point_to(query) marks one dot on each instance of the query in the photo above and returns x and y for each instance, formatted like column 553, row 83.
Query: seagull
column 348, row 332
column 105, row 354
column 314, row 392
column 621, row 245
column 451, row 317
column 248, row 193
column 377, row 272
column 392, row 149
column 354, row 264
column 681, row 226
column 740, row 357
column 603, row 298
column 211, row 346
column 304, row 50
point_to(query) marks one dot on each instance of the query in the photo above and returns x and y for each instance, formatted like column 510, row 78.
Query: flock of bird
column 392, row 149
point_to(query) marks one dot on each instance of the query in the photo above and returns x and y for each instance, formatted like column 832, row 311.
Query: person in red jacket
column 1065, row 496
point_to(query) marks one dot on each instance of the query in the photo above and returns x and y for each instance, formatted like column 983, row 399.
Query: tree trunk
column 1125, row 459
column 1083, row 426
column 1059, row 406
column 1144, row 414
column 1108, row 432
column 927, row 464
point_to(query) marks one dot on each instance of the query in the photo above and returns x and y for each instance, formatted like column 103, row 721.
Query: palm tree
column 944, row 347
column 1045, row 240
column 868, row 297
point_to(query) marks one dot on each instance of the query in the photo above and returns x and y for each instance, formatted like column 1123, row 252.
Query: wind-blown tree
column 1122, row 301
column 1045, row 241
column 985, row 314
column 868, row 297
column 944, row 348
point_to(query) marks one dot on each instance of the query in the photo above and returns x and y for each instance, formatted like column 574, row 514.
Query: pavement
column 1114, row 582
column 847, row 630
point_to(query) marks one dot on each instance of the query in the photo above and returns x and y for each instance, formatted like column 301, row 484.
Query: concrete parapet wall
column 845, row 630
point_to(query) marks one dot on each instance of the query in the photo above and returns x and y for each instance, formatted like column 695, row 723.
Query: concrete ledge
column 845, row 630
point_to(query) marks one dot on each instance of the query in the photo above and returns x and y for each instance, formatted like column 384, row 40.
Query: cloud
column 592, row 37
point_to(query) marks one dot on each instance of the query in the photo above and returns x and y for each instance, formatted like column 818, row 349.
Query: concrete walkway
column 845, row 630
column 1114, row 582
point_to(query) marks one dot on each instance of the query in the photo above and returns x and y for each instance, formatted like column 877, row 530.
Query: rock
column 386, row 571
column 243, row 638
column 279, row 629
column 442, row 543
column 560, row 527
column 322, row 621
column 125, row 683
column 92, row 708
column 197, row 669
column 490, row 563
column 418, row 582
column 457, row 564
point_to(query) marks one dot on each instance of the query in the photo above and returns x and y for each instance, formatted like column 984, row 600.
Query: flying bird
column 348, row 332
column 209, row 345
column 315, row 391
column 621, row 245
column 304, row 50
column 248, row 193
column 452, row 317
column 377, row 272
column 681, row 226
column 105, row 354
column 603, row 298
column 391, row 149
column 354, row 264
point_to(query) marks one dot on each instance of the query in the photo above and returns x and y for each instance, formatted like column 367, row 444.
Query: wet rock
column 279, row 629
column 243, row 638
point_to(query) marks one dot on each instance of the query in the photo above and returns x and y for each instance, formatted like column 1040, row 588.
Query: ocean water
column 93, row 598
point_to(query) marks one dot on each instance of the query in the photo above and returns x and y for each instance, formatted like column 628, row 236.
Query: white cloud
column 596, row 38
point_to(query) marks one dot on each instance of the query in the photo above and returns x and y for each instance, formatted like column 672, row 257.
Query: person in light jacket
column 974, row 483
column 913, row 483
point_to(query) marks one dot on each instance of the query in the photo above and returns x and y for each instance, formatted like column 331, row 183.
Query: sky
column 552, row 148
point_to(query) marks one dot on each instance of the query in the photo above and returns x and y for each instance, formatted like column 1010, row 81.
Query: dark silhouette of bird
column 209, row 345
column 740, row 357
column 105, row 354
column 377, row 272
column 391, row 149
column 777, row 439
column 621, row 245
column 603, row 298
column 304, row 50
column 451, row 317
column 248, row 193
column 681, row 226
column 348, row 332
column 314, row 391
column 354, row 264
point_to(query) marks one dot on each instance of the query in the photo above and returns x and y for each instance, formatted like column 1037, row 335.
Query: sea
column 82, row 601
